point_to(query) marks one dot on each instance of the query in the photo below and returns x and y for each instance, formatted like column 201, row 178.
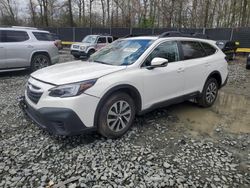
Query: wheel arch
column 217, row 76
column 126, row 88
column 91, row 48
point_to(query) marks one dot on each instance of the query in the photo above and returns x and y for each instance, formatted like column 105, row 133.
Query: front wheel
column 90, row 52
column 76, row 56
column 116, row 115
column 209, row 93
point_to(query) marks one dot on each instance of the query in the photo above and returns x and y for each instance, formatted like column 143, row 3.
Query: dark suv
column 228, row 47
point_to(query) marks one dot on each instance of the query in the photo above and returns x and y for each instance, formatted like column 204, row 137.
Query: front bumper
column 78, row 53
column 59, row 121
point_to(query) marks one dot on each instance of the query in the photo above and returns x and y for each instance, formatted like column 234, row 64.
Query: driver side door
column 163, row 83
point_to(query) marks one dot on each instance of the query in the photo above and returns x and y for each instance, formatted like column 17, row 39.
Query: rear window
column 208, row 48
column 43, row 36
column 13, row 36
column 192, row 50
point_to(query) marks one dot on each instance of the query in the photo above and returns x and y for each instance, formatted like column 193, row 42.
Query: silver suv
column 23, row 47
column 89, row 45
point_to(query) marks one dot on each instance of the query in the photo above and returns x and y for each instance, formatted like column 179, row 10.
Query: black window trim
column 141, row 65
column 216, row 50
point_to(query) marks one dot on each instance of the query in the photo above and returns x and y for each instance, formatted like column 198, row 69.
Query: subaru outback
column 129, row 77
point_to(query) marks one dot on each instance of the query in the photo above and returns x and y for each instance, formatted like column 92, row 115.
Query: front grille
column 34, row 93
column 76, row 46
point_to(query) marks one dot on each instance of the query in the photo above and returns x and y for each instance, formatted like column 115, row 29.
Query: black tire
column 209, row 93
column 77, row 56
column 248, row 66
column 111, row 115
column 90, row 52
column 39, row 61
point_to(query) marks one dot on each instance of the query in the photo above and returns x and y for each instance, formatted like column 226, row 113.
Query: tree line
column 126, row 13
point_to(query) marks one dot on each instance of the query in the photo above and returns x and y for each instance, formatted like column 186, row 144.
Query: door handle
column 180, row 70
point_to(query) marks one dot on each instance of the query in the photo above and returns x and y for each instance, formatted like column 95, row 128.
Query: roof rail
column 21, row 27
column 134, row 35
column 179, row 34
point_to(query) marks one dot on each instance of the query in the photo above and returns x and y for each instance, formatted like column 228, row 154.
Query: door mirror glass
column 159, row 62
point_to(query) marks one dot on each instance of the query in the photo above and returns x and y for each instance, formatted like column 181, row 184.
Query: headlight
column 83, row 48
column 71, row 90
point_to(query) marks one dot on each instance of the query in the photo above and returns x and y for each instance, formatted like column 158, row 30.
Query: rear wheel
column 39, row 61
column 116, row 115
column 209, row 93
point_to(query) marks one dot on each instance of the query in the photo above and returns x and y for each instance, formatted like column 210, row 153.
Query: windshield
column 121, row 52
column 89, row 39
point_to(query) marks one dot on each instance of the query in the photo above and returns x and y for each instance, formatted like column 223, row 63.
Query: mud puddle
column 230, row 112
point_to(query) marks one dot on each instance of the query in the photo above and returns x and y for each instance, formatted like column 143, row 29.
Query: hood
column 75, row 71
column 83, row 44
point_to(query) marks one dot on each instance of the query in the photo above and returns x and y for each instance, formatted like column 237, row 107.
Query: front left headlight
column 83, row 48
column 71, row 90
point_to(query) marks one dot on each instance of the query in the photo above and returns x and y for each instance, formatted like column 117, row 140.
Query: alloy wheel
column 211, row 92
column 119, row 116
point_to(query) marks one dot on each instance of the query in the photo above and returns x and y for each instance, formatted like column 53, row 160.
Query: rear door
column 195, row 65
column 18, row 49
column 2, row 51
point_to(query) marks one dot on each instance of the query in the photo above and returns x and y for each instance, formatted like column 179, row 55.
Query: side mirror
column 158, row 62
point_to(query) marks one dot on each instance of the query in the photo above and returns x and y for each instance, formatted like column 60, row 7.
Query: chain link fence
column 76, row 34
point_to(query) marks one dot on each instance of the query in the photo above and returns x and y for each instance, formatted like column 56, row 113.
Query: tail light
column 56, row 43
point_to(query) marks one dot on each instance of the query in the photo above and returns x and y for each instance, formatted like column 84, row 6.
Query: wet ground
column 179, row 146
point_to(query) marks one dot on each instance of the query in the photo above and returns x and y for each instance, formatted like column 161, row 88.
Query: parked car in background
column 128, row 77
column 22, row 48
column 248, row 62
column 57, row 40
column 228, row 47
column 89, row 45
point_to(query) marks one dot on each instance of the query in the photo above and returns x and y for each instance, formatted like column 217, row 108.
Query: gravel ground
column 159, row 151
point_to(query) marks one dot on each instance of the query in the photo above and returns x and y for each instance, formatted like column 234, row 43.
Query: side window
column 167, row 50
column 15, row 36
column 208, row 48
column 192, row 50
column 102, row 40
column 42, row 36
column 110, row 40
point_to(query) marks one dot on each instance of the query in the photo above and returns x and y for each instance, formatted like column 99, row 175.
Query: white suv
column 130, row 76
column 89, row 45
column 22, row 48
